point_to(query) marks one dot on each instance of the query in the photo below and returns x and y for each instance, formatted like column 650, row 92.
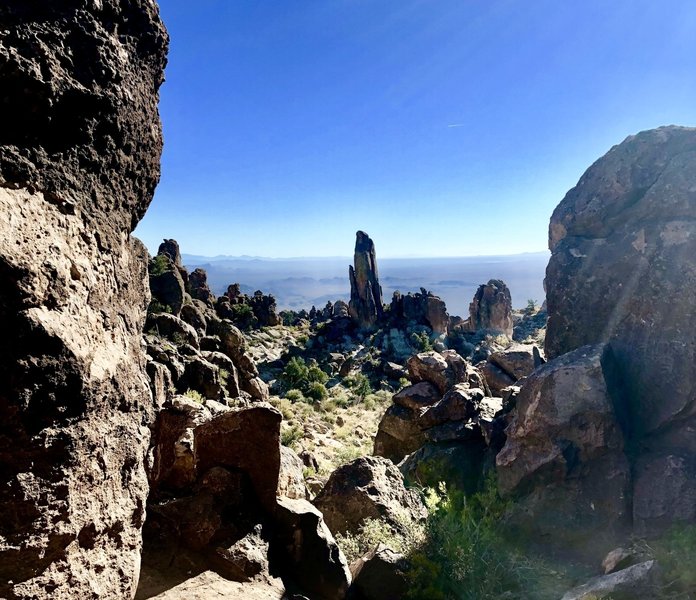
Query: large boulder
column 623, row 269
column 370, row 487
column 564, row 455
column 365, row 307
column 398, row 433
column 80, row 143
column 642, row 581
column 246, row 440
column 310, row 554
column 381, row 574
column 442, row 369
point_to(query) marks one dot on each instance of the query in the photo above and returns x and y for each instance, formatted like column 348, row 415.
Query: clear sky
column 440, row 127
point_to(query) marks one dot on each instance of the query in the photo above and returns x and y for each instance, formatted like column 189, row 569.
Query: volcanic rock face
column 622, row 269
column 365, row 306
column 79, row 159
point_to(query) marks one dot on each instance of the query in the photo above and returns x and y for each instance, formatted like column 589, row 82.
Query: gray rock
column 639, row 581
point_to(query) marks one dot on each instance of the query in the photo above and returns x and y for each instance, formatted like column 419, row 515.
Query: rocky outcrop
column 564, row 455
column 380, row 575
column 422, row 308
column 79, row 159
column 491, row 309
column 370, row 487
column 622, row 272
column 365, row 307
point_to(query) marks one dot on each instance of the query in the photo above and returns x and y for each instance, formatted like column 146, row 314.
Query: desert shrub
column 465, row 555
column 317, row 391
column 676, row 553
column 359, row 385
column 309, row 380
column 159, row 265
column 156, row 307
column 291, row 435
column 421, row 341
column 531, row 307
column 195, row 396
column 294, row 395
column 243, row 315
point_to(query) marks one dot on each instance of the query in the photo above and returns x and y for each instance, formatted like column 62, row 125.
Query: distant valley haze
column 299, row 283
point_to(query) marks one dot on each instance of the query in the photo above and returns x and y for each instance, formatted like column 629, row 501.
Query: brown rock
column 491, row 309
column 516, row 360
column 310, row 554
column 380, row 575
column 398, row 434
column 417, row 396
column 79, row 161
column 247, row 440
column 622, row 269
column 460, row 403
column 370, row 487
column 291, row 476
column 563, row 456
column 495, row 377
column 198, row 287
column 365, row 306
column 167, row 287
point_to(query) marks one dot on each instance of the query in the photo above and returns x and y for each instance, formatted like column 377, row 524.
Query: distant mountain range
column 302, row 282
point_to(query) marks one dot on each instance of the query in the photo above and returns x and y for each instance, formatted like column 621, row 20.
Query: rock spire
column 365, row 306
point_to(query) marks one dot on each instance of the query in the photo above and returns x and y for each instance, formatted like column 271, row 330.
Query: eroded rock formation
column 80, row 143
column 365, row 305
column 491, row 309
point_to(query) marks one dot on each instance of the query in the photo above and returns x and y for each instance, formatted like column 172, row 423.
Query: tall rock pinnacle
column 365, row 292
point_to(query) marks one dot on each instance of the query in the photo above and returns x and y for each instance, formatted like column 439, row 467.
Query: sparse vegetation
column 465, row 555
column 291, row 435
column 195, row 396
column 359, row 384
column 421, row 341
column 156, row 307
column 159, row 265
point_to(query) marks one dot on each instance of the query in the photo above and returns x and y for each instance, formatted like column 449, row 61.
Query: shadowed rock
column 80, row 144
column 365, row 305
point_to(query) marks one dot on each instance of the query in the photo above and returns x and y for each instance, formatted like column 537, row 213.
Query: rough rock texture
column 380, row 575
column 622, row 268
column 310, row 553
column 79, row 159
column 421, row 308
column 365, row 305
column 622, row 272
column 370, row 487
column 398, row 434
column 639, row 581
column 491, row 309
column 564, row 456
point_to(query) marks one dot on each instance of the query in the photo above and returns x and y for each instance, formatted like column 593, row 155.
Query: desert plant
column 359, row 385
column 317, row 391
column 159, row 265
column 194, row 395
column 421, row 341
column 291, row 435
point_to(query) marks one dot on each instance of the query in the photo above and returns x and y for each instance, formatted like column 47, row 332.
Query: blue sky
column 440, row 127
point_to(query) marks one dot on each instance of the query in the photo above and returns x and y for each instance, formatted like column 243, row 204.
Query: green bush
column 308, row 380
column 156, row 307
column 675, row 551
column 160, row 265
column 421, row 341
column 243, row 316
column 317, row 391
column 294, row 395
column 465, row 555
column 195, row 396
column 291, row 435
column 359, row 384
